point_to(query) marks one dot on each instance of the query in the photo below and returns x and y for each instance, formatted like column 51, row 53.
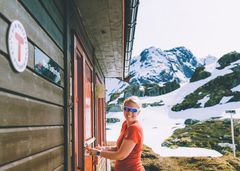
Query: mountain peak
column 160, row 66
column 149, row 52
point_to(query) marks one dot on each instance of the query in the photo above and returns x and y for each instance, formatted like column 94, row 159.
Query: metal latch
column 89, row 142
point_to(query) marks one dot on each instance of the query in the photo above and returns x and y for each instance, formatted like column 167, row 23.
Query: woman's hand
column 93, row 151
column 100, row 147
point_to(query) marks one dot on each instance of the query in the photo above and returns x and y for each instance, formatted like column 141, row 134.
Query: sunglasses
column 130, row 109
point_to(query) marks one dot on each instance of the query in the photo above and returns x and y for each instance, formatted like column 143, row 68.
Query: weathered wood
column 3, row 35
column 17, row 143
column 70, row 126
column 70, row 157
column 47, row 160
column 52, row 9
column 62, row 78
column 28, row 83
column 14, row 10
column 60, row 6
column 70, row 148
column 70, row 133
column 19, row 111
column 30, row 55
column 60, row 168
column 70, row 117
column 41, row 15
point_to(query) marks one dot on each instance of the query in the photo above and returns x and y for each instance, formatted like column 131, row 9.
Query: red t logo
column 20, row 42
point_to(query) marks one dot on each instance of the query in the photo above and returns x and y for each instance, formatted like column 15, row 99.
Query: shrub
column 199, row 74
column 227, row 59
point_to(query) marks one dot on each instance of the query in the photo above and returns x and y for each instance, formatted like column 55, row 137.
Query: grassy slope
column 208, row 134
column 154, row 162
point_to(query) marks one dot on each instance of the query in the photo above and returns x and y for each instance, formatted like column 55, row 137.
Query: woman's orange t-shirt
column 133, row 161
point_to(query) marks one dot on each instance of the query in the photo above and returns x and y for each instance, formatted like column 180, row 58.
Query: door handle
column 89, row 142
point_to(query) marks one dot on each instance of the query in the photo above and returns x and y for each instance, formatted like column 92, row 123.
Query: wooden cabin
column 54, row 58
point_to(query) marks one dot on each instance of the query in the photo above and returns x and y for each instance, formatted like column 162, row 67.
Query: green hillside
column 211, row 134
column 215, row 89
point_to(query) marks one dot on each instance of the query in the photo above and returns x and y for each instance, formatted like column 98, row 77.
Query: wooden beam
column 28, row 83
column 17, row 143
column 19, row 111
column 47, row 160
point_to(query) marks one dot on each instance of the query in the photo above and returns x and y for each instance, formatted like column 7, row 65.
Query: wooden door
column 83, row 108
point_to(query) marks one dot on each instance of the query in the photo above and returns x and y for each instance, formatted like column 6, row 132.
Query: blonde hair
column 133, row 99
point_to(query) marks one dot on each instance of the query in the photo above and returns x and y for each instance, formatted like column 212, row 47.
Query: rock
column 114, row 108
column 112, row 120
column 190, row 121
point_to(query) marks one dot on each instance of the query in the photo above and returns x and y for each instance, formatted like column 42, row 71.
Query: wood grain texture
column 52, row 9
column 20, row 111
column 60, row 168
column 28, row 83
column 38, row 11
column 17, row 143
column 13, row 10
column 59, row 5
column 47, row 160
column 3, row 35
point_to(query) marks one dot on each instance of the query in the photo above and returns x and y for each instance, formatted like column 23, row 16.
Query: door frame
column 80, row 60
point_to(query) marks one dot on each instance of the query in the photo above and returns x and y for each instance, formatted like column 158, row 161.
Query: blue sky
column 206, row 27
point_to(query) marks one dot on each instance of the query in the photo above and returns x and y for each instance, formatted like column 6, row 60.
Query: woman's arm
column 109, row 148
column 120, row 154
column 106, row 148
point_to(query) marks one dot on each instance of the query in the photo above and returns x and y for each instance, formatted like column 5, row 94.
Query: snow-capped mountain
column 221, row 86
column 114, row 86
column 154, row 65
column 214, row 81
column 203, row 100
column 208, row 60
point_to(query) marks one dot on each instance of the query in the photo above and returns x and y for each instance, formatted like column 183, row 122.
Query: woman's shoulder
column 136, row 125
column 124, row 125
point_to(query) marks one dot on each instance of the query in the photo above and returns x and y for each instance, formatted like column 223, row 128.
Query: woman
column 128, row 149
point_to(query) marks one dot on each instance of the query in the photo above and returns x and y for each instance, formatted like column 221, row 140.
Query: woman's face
column 131, row 111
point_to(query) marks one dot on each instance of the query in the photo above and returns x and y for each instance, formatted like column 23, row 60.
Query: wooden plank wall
column 31, row 107
column 48, row 16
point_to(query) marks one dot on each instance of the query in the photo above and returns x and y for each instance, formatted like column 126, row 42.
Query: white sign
column 18, row 46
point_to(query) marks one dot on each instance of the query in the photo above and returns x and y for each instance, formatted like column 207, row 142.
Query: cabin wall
column 36, row 113
column 31, row 105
